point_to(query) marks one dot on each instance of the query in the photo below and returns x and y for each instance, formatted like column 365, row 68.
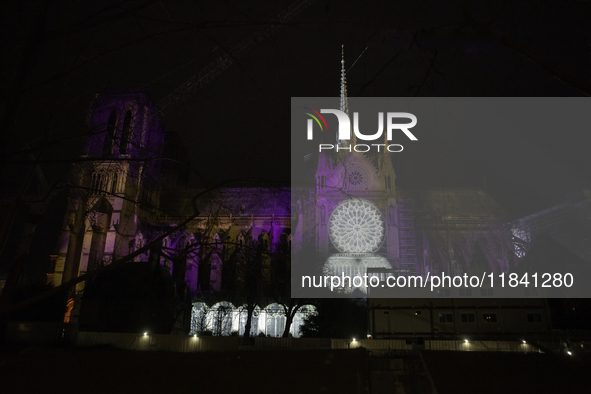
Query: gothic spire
column 344, row 102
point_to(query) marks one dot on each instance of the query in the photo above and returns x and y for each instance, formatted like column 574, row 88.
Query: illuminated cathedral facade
column 126, row 196
column 354, row 217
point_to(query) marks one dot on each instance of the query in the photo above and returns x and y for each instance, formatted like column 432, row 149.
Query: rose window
column 356, row 226
column 355, row 178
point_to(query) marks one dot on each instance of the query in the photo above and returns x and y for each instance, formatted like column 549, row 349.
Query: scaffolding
column 406, row 236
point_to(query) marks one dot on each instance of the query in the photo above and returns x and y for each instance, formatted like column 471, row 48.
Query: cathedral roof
column 236, row 201
column 457, row 202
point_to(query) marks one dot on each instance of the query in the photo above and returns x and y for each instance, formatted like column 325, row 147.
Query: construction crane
column 216, row 67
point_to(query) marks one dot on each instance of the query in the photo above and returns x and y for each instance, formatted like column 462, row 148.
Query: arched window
column 109, row 135
column 220, row 318
column 264, row 240
column 93, row 183
column 97, row 183
column 285, row 240
column 199, row 321
column 125, row 133
column 388, row 182
column 199, row 237
column 299, row 319
column 114, row 183
column 273, row 320
column 180, row 244
column 242, row 316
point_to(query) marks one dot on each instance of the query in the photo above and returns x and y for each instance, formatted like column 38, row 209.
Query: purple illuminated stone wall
column 125, row 125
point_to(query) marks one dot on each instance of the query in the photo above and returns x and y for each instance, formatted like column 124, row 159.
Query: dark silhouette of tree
column 336, row 318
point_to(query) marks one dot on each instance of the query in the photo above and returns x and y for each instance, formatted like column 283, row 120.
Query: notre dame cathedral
column 133, row 187
column 351, row 213
column 127, row 195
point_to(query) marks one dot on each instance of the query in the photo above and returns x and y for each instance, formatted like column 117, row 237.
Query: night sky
column 239, row 122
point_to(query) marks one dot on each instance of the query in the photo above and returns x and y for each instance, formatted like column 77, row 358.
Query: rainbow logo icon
column 316, row 118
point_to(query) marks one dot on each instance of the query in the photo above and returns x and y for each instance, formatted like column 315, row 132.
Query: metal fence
column 481, row 346
column 299, row 343
column 163, row 342
column 186, row 343
column 38, row 333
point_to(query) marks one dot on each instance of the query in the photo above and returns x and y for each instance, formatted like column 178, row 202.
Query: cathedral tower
column 115, row 186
